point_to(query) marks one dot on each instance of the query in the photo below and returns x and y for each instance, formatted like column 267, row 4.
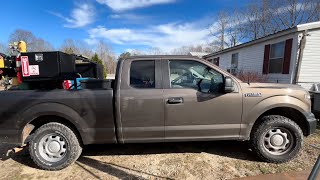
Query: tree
column 107, row 56
column 69, row 46
column 185, row 50
column 260, row 18
column 125, row 55
column 95, row 58
column 155, row 51
column 4, row 49
column 228, row 30
column 265, row 17
column 33, row 43
column 289, row 13
column 218, row 29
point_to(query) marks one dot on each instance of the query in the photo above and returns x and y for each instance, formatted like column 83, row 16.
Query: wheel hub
column 52, row 147
column 278, row 141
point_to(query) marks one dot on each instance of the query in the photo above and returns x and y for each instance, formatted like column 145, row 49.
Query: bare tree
column 155, row 51
column 33, row 43
column 265, row 17
column 218, row 29
column 235, row 30
column 107, row 56
column 84, row 48
column 4, row 49
column 185, row 50
column 228, row 30
column 290, row 13
column 69, row 46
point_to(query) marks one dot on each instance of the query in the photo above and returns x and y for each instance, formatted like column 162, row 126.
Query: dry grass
column 200, row 160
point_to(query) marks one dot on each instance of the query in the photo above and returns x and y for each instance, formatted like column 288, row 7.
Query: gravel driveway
column 197, row 160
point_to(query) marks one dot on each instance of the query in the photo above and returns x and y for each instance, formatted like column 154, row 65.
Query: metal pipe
column 315, row 170
column 302, row 45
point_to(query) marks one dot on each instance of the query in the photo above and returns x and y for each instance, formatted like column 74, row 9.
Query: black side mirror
column 228, row 85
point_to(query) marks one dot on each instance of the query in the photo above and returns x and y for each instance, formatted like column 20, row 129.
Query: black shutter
column 266, row 58
column 217, row 61
column 287, row 57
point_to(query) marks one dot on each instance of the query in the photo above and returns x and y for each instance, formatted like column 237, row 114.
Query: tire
column 54, row 146
column 276, row 139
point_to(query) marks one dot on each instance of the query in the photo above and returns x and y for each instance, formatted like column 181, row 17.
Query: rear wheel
column 276, row 139
column 54, row 146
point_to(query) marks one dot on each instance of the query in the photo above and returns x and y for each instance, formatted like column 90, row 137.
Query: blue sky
column 123, row 24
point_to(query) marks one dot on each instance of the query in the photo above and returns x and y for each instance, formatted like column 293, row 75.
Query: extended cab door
column 196, row 106
column 141, row 106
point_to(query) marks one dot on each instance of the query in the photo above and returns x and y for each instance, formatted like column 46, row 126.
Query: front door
column 141, row 102
column 196, row 106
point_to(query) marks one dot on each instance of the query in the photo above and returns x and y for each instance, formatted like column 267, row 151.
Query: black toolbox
column 47, row 66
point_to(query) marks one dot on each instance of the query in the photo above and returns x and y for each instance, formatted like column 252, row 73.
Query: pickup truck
column 158, row 99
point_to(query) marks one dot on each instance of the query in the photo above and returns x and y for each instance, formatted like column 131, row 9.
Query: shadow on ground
column 232, row 149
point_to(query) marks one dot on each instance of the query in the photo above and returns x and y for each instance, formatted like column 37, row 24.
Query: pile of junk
column 22, row 70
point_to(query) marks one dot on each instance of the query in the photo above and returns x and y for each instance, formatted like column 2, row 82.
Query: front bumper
column 312, row 122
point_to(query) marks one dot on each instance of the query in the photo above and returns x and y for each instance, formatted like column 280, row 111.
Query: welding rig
column 22, row 70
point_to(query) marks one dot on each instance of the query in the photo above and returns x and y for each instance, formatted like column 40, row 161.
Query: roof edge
column 298, row 28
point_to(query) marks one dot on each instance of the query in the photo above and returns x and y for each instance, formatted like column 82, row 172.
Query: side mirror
column 228, row 85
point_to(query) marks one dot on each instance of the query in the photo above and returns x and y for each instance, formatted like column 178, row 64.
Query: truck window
column 142, row 74
column 195, row 75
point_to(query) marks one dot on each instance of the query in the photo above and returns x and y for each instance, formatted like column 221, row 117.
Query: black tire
column 262, row 143
column 67, row 141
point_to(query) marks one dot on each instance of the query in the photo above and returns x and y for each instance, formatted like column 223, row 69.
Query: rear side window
column 142, row 74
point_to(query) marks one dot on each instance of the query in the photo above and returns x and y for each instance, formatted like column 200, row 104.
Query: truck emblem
column 252, row 95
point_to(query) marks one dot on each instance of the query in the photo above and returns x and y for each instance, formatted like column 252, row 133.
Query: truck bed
column 91, row 111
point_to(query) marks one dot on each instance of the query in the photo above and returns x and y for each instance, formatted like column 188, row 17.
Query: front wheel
column 54, row 146
column 276, row 139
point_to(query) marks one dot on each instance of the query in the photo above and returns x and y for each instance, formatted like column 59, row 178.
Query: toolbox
column 46, row 66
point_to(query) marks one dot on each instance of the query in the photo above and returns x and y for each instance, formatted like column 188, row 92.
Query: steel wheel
column 52, row 147
column 278, row 141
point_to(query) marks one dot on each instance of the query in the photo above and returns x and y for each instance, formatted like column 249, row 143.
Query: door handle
column 175, row 100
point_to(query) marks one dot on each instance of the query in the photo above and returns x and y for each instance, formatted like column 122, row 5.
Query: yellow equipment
column 1, row 62
column 22, row 46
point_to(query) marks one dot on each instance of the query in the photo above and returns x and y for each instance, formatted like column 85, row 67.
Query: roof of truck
column 162, row 56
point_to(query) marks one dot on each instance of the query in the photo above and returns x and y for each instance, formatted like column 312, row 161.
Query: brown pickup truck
column 158, row 99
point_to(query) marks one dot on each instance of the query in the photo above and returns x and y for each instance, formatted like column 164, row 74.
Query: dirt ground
column 197, row 160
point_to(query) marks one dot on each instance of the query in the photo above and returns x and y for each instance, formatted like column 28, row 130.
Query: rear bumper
column 312, row 122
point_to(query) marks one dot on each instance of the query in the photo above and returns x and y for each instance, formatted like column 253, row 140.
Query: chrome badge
column 252, row 95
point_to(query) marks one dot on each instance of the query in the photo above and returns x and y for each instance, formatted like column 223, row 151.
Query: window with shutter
column 276, row 57
column 216, row 61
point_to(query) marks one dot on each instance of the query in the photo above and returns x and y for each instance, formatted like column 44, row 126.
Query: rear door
column 196, row 106
column 141, row 102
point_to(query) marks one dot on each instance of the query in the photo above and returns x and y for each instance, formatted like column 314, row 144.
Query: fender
column 250, row 116
column 54, row 109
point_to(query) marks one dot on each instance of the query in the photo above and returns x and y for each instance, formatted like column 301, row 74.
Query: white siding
column 251, row 58
column 310, row 64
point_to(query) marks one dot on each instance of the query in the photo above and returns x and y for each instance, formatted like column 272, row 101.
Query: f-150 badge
column 252, row 95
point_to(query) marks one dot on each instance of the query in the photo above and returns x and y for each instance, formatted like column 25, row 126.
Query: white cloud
column 164, row 36
column 122, row 5
column 80, row 16
column 129, row 17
